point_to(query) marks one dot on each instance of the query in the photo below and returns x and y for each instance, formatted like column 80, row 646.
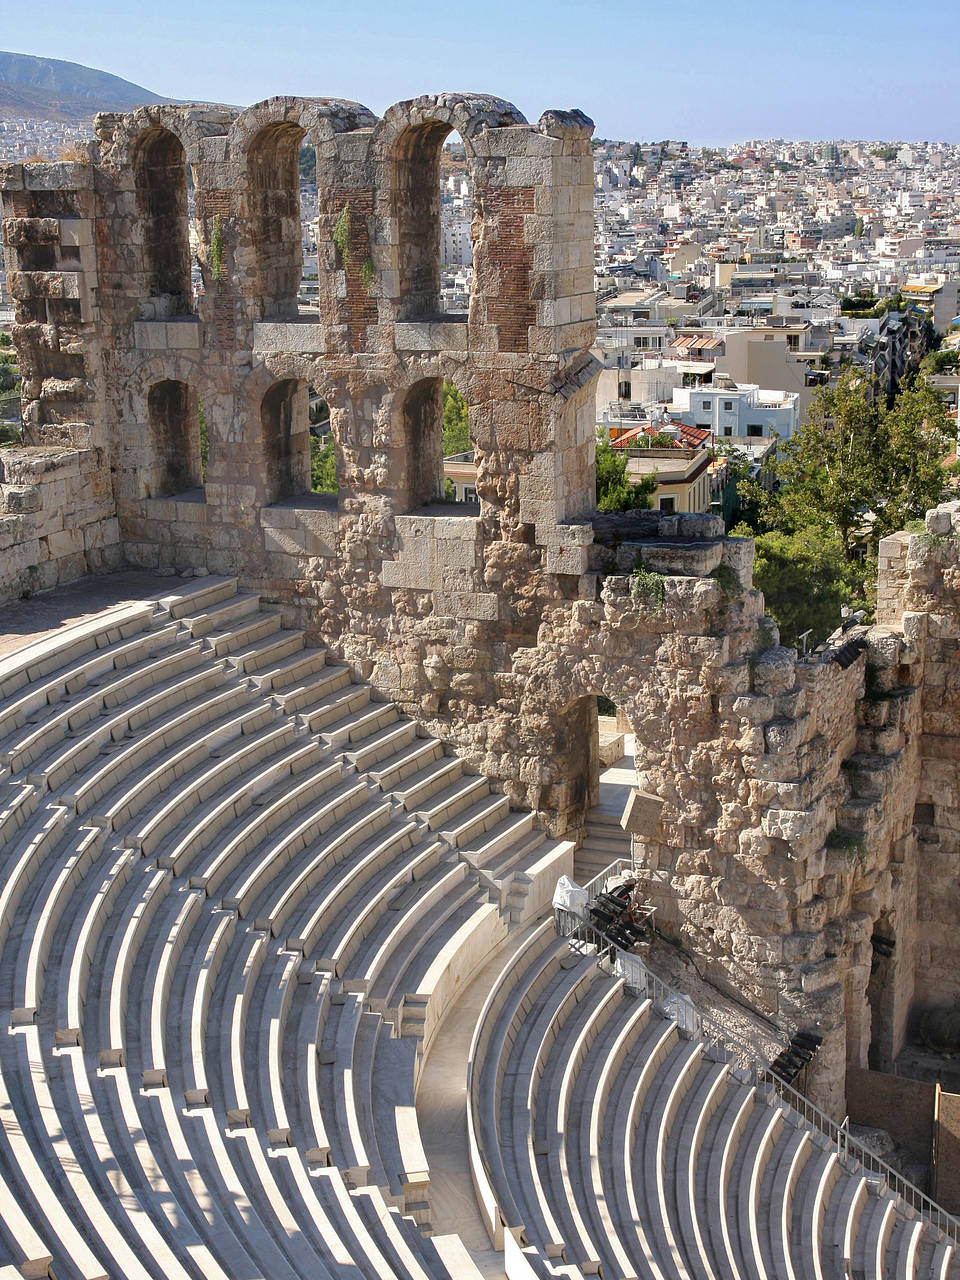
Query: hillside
column 49, row 89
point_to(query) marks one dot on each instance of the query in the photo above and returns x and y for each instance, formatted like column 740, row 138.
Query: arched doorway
column 601, row 743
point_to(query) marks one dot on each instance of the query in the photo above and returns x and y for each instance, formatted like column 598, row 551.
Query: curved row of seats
column 238, row 896
column 605, row 1141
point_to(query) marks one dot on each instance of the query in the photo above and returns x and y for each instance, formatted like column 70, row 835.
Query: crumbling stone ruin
column 792, row 811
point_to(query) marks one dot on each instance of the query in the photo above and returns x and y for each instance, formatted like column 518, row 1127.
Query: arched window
column 434, row 193
column 275, row 217
column 160, row 179
column 175, row 451
column 285, row 424
column 423, row 434
column 440, row 465
column 309, row 296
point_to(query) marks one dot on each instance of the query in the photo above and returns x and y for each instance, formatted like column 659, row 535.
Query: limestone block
column 691, row 560
column 696, row 525
column 752, row 707
column 183, row 335
column 455, row 553
column 883, row 646
column 61, row 175
column 278, row 338
column 790, row 824
column 786, row 735
column 738, row 555
column 65, row 542
column 774, row 671
column 642, row 813
column 76, row 232
column 568, row 560
column 11, row 177
column 150, row 335
column 938, row 521
column 404, row 573
column 463, row 528
column 289, row 541
column 484, row 606
column 57, row 285
column 20, row 499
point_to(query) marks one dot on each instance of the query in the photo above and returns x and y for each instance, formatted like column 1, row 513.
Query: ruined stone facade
column 799, row 808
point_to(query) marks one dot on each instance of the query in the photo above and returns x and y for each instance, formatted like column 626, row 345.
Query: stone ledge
column 431, row 335
column 293, row 337
column 167, row 335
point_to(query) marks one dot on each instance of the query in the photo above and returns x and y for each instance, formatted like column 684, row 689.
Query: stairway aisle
column 604, row 840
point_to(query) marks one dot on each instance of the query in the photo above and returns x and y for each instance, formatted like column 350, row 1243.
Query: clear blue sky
column 710, row 72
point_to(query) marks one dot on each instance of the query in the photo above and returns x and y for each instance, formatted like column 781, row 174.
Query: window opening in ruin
column 323, row 452
column 441, row 468
column 175, row 465
column 435, row 206
column 308, row 300
column 290, row 455
column 160, row 181
column 276, row 229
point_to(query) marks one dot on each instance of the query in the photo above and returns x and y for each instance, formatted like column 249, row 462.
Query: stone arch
column 160, row 184
column 174, row 462
column 285, row 436
column 409, row 142
column 267, row 138
column 422, row 434
column 579, row 730
column 273, row 204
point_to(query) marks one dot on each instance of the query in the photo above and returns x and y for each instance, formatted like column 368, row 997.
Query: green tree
column 307, row 164
column 946, row 360
column 858, row 228
column 853, row 473
column 824, row 474
column 5, row 340
column 805, row 579
column 912, row 437
column 456, row 426
column 614, row 490
column 323, row 466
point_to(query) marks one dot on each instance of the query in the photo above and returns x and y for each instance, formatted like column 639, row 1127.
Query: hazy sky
column 710, row 72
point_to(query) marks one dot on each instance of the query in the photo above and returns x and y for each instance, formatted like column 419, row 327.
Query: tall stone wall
column 921, row 573
column 798, row 810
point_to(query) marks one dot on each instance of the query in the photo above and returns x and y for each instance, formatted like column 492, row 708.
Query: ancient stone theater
column 289, row 779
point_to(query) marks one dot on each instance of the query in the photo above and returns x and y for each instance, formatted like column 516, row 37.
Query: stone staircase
column 604, row 841
column 605, row 1140
column 238, row 894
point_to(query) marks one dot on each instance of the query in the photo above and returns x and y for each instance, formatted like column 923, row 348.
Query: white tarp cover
column 570, row 896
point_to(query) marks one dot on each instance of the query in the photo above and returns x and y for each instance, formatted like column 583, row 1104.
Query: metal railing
column 749, row 1063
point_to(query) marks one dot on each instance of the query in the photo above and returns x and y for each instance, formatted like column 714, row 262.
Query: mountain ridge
column 52, row 89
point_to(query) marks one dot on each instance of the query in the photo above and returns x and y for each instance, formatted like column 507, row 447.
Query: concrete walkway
column 442, row 1113
column 616, row 782
column 24, row 621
